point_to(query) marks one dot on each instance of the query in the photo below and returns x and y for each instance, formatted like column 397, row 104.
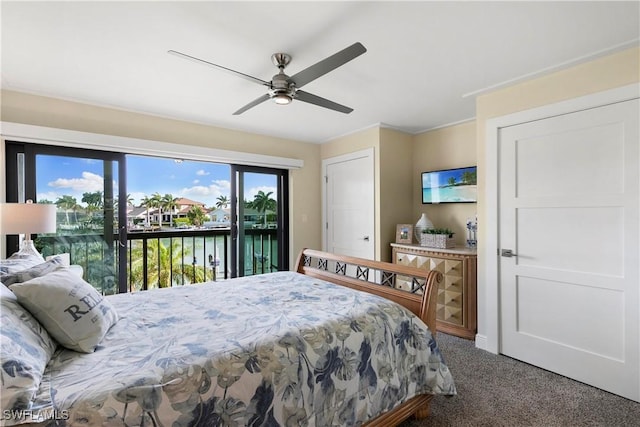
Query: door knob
column 508, row 253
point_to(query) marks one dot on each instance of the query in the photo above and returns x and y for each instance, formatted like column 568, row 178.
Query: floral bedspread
column 279, row 349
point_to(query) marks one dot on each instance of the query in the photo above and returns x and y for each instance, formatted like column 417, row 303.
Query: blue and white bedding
column 279, row 349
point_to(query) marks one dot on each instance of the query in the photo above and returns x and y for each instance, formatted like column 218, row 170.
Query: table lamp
column 27, row 218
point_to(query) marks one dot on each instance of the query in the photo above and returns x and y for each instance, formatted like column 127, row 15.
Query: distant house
column 220, row 215
column 138, row 215
column 183, row 206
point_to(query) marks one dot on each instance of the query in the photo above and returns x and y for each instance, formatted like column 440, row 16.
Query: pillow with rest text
column 70, row 309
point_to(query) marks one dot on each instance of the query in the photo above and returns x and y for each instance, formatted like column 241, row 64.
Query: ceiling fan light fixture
column 282, row 99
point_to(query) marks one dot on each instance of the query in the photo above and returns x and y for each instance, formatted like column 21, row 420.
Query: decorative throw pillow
column 64, row 257
column 18, row 262
column 33, row 272
column 6, row 293
column 71, row 310
column 25, row 350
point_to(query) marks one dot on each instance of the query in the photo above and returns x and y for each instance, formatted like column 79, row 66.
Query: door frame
column 237, row 212
column 488, row 283
column 369, row 154
column 32, row 150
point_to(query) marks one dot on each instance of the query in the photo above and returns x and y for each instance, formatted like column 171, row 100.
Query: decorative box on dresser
column 457, row 292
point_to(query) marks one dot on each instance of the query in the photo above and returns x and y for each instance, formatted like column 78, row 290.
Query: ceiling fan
column 284, row 89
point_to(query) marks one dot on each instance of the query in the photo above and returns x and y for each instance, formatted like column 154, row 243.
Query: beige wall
column 358, row 141
column 304, row 183
column 445, row 148
column 616, row 70
column 392, row 176
column 399, row 160
column 396, row 176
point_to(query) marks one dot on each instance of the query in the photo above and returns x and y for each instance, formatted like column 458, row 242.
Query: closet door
column 569, row 239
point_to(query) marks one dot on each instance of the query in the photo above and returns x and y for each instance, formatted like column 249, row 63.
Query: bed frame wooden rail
column 380, row 278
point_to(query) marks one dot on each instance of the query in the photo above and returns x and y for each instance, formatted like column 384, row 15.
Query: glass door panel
column 87, row 187
column 260, row 223
column 85, row 191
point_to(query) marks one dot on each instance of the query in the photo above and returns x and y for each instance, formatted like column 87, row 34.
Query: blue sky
column 200, row 181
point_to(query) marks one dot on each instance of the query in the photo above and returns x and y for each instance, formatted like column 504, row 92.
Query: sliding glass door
column 260, row 222
column 175, row 222
column 88, row 188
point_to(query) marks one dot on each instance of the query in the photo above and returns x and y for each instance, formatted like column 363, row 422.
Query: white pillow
column 33, row 272
column 64, row 257
column 17, row 262
column 70, row 309
column 25, row 350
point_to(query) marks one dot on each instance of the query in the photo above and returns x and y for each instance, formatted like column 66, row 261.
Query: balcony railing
column 164, row 258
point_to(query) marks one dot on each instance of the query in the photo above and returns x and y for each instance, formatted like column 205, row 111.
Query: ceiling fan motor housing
column 280, row 85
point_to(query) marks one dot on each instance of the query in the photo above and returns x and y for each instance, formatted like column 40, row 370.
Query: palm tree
column 169, row 203
column 156, row 200
column 469, row 177
column 165, row 266
column 263, row 202
column 147, row 202
column 196, row 215
column 67, row 203
column 128, row 199
column 222, row 202
column 94, row 202
column 451, row 181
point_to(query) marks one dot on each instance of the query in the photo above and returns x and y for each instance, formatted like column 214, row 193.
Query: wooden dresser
column 457, row 313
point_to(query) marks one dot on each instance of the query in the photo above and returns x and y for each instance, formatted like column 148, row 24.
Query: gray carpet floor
column 496, row 391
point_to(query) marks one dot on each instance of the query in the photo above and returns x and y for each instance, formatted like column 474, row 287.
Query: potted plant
column 441, row 238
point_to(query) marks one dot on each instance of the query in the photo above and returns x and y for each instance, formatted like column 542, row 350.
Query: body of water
column 458, row 193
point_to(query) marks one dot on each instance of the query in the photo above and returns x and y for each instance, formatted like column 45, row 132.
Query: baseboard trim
column 482, row 342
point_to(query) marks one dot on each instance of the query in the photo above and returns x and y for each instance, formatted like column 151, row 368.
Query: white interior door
column 349, row 204
column 569, row 211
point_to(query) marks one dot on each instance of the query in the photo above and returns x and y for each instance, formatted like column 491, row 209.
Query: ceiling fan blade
column 252, row 104
column 322, row 102
column 237, row 73
column 328, row 64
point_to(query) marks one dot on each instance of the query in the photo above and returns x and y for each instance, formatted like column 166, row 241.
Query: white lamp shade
column 27, row 218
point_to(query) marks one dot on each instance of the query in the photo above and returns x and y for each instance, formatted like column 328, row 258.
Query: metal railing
column 164, row 258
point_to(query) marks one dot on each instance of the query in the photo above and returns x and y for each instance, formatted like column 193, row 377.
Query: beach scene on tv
column 450, row 186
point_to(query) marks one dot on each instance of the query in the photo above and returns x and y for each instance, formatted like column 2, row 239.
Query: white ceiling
column 422, row 58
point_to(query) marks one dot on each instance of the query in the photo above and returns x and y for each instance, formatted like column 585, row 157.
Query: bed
column 296, row 348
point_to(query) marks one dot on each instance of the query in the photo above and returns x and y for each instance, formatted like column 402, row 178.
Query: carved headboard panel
column 376, row 277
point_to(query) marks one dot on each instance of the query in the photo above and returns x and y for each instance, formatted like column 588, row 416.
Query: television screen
column 450, row 186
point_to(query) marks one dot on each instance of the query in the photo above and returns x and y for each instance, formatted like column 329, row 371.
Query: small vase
column 424, row 223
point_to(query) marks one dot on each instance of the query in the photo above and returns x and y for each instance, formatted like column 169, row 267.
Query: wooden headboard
column 376, row 277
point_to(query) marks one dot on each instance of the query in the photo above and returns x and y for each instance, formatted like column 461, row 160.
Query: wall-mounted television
column 450, row 186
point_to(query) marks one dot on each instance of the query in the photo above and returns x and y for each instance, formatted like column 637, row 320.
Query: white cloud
column 196, row 181
column 89, row 182
column 251, row 192
column 202, row 172
column 207, row 194
column 222, row 184
column 52, row 196
column 137, row 197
